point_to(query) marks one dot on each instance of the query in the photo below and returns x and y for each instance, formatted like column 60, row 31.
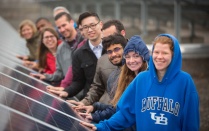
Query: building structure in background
column 186, row 19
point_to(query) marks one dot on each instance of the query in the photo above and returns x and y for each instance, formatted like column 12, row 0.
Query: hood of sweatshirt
column 173, row 68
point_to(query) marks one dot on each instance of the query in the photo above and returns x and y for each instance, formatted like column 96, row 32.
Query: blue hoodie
column 169, row 105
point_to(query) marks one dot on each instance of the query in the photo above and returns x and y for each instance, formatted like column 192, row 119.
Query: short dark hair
column 68, row 16
column 85, row 15
column 118, row 25
column 42, row 18
column 114, row 39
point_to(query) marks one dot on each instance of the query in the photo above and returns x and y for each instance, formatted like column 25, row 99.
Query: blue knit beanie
column 137, row 45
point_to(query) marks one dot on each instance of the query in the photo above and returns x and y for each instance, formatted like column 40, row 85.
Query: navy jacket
column 102, row 111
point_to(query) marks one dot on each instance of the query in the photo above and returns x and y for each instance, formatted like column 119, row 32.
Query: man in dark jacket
column 85, row 58
column 98, row 90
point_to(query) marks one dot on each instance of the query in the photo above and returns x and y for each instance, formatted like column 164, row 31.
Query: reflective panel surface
column 24, row 103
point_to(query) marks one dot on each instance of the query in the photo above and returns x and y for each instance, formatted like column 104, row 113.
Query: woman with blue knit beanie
column 136, row 57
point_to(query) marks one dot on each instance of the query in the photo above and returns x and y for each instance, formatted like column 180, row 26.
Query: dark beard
column 118, row 64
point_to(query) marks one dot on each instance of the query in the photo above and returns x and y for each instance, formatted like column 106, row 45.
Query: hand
column 34, row 65
column 89, row 125
column 55, row 88
column 76, row 103
column 22, row 57
column 30, row 64
column 26, row 63
column 59, row 91
column 40, row 70
column 87, row 116
column 88, row 109
column 39, row 76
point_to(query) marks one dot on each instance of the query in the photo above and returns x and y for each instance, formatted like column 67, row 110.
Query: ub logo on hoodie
column 160, row 104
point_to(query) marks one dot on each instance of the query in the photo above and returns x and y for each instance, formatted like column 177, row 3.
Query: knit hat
column 137, row 45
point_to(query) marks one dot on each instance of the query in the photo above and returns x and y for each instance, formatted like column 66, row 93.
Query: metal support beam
column 177, row 19
column 98, row 9
column 157, row 23
column 192, row 31
column 83, row 8
column 72, row 8
column 117, row 10
column 144, row 16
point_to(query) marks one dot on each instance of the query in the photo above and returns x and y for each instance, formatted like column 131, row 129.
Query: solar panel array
column 24, row 103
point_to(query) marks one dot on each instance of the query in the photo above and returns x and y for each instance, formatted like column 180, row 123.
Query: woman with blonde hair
column 28, row 31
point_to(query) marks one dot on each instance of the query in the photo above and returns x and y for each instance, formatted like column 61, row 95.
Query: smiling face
column 49, row 40
column 65, row 27
column 91, row 28
column 133, row 61
column 162, row 56
column 27, row 32
column 116, row 54
column 42, row 24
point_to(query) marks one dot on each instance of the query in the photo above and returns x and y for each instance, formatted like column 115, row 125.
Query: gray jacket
column 64, row 59
column 97, row 91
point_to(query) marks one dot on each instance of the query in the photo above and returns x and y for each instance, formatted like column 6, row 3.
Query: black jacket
column 84, row 67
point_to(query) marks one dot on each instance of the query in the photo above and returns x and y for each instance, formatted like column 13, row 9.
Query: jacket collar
column 87, row 47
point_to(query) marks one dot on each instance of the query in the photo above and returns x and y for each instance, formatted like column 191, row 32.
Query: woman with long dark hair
column 47, row 51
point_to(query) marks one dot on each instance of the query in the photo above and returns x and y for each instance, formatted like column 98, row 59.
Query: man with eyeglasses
column 65, row 50
column 115, row 55
column 98, row 90
column 85, row 58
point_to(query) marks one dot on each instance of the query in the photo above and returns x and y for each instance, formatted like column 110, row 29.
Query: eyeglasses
column 50, row 36
column 128, row 57
column 115, row 50
column 92, row 26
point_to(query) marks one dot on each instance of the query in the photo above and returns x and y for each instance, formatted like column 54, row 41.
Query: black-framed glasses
column 92, row 26
column 115, row 50
column 50, row 36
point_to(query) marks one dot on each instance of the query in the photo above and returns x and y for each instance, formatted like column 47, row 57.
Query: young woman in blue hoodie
column 164, row 98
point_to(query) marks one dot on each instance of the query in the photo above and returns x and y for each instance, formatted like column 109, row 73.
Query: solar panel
column 30, row 103
column 24, row 103
column 14, row 120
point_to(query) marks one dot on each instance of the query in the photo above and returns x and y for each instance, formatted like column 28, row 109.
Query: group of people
column 113, row 82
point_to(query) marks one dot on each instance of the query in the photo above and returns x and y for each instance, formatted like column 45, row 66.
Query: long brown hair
column 125, row 78
column 43, row 50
